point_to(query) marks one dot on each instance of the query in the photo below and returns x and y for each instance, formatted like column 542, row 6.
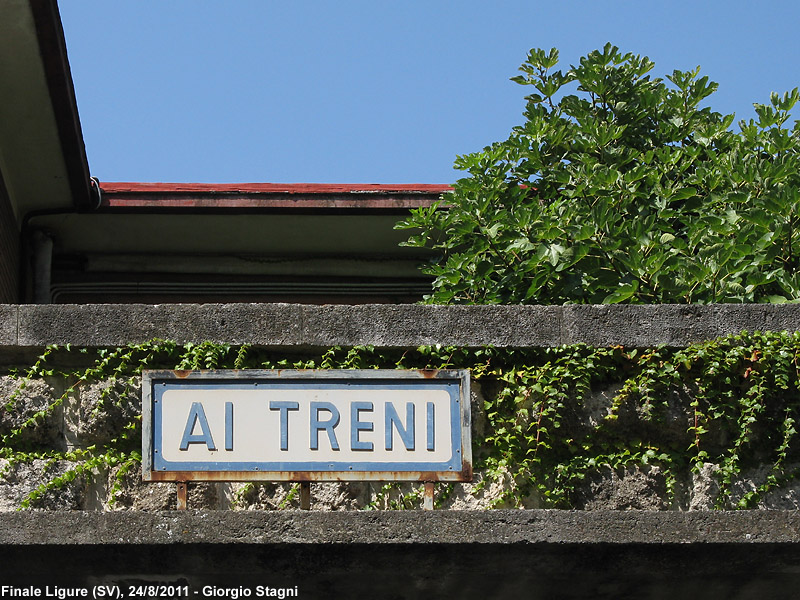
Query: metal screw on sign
column 183, row 498
column 427, row 498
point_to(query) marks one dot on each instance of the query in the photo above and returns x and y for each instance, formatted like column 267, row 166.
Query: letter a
column 197, row 415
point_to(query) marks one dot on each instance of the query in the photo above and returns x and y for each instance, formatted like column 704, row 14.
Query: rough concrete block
column 258, row 324
column 20, row 400
column 114, row 325
column 8, row 325
column 292, row 325
column 83, row 325
column 369, row 324
column 735, row 318
column 414, row 325
column 413, row 554
column 102, row 411
column 638, row 325
column 634, row 487
column 505, row 326
column 753, row 528
column 22, row 478
column 704, row 487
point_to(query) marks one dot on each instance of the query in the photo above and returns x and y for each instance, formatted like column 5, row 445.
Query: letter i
column 229, row 426
column 431, row 419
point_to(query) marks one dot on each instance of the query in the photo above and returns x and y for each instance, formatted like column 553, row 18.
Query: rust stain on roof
column 269, row 195
column 273, row 188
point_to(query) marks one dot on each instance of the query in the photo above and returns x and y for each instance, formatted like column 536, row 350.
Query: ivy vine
column 550, row 418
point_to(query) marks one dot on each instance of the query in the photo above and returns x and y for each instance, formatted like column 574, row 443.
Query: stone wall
column 25, row 330
column 73, row 426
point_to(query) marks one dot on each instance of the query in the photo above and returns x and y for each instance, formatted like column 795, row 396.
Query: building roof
column 286, row 196
column 143, row 238
column 42, row 156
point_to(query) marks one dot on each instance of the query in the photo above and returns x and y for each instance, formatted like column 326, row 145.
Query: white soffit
column 31, row 156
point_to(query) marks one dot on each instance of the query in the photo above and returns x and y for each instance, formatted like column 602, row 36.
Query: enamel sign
column 306, row 425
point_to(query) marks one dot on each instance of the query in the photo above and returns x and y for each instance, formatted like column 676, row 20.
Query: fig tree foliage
column 621, row 187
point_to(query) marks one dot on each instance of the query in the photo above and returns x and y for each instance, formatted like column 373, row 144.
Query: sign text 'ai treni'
column 306, row 425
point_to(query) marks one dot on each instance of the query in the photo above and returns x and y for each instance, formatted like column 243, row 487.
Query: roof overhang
column 270, row 219
column 42, row 155
column 305, row 242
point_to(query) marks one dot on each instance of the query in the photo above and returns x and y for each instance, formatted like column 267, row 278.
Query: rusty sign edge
column 462, row 376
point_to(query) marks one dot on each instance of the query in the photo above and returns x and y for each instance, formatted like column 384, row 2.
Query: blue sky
column 360, row 91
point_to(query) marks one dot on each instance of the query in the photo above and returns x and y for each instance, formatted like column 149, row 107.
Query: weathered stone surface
column 324, row 496
column 664, row 419
column 412, row 325
column 386, row 325
column 420, row 556
column 21, row 478
column 113, row 325
column 734, row 318
column 129, row 492
column 27, row 398
column 483, row 493
column 638, row 325
column 104, row 409
column 754, row 528
column 633, row 487
column 704, row 488
column 786, row 496
column 781, row 497
column 97, row 413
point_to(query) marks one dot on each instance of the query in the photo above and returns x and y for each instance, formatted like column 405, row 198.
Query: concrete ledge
column 281, row 325
column 414, row 325
column 116, row 324
column 411, row 527
column 409, row 555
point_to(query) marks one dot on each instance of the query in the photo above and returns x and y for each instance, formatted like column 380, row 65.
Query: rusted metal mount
column 305, row 495
column 427, row 497
column 183, row 495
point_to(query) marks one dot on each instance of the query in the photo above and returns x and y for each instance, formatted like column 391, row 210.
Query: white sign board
column 306, row 425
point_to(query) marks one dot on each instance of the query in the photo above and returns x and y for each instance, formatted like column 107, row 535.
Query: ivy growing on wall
column 550, row 418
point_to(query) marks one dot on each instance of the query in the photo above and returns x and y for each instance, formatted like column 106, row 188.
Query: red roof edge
column 272, row 188
column 269, row 196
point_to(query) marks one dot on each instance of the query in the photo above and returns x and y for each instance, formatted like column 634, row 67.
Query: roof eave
column 53, row 49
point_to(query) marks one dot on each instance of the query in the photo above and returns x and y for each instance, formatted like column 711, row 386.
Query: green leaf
column 624, row 292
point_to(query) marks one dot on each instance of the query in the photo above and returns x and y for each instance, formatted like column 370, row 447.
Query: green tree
column 619, row 187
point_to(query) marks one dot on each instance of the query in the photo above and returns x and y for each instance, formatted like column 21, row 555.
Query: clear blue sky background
column 370, row 91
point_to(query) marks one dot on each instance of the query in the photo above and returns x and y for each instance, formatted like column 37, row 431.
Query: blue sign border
column 455, row 383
